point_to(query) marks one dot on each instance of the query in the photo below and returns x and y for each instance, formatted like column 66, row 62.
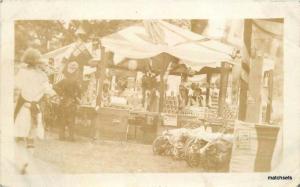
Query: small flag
column 80, row 54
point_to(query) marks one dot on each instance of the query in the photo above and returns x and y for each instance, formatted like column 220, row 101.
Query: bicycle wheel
column 157, row 145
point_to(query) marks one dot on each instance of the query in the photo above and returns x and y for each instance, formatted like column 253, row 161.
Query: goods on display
column 89, row 97
column 208, row 150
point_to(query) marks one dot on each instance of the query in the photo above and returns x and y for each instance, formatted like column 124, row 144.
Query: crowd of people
column 192, row 96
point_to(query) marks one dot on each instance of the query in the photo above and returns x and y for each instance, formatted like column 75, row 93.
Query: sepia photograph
column 173, row 95
column 138, row 94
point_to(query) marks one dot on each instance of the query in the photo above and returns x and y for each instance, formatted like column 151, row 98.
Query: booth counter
column 120, row 124
column 123, row 124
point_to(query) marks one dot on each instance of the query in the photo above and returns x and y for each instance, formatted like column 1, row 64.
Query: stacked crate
column 171, row 105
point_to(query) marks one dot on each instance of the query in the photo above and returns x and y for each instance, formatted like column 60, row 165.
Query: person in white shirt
column 32, row 84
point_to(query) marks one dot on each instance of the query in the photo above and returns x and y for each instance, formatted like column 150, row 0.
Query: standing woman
column 33, row 84
column 182, row 97
column 69, row 91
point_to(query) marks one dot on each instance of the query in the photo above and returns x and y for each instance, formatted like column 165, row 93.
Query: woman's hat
column 32, row 56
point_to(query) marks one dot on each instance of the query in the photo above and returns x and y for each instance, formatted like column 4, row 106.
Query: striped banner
column 253, row 147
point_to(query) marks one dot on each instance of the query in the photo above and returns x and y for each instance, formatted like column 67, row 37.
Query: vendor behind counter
column 196, row 98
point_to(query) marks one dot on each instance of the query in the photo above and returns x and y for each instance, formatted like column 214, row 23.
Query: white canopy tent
column 154, row 37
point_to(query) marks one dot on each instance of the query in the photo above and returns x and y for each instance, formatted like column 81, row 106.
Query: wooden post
column 208, row 80
column 223, row 87
column 270, row 97
column 101, row 74
column 254, row 89
column 161, row 92
column 243, row 100
column 162, row 88
column 247, row 37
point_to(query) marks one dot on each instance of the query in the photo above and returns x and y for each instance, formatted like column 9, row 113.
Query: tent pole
column 223, row 87
column 243, row 97
column 162, row 88
column 162, row 92
column 101, row 74
column 208, row 80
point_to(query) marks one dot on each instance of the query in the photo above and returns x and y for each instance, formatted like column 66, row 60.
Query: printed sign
column 243, row 139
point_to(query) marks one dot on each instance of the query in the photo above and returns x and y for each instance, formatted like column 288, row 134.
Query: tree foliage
column 47, row 35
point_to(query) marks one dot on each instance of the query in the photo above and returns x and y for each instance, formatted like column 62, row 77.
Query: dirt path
column 83, row 156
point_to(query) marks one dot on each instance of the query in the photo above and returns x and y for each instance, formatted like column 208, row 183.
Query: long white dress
column 33, row 85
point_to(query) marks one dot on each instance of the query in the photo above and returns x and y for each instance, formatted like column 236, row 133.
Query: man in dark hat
column 69, row 91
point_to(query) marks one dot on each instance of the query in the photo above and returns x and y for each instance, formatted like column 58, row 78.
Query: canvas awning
column 59, row 54
column 65, row 52
column 155, row 37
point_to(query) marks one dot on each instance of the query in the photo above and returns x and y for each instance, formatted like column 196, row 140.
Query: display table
column 121, row 124
column 124, row 124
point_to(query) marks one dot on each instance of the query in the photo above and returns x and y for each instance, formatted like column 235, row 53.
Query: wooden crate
column 112, row 123
column 143, row 126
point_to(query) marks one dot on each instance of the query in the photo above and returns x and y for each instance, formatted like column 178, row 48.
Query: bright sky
column 216, row 28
